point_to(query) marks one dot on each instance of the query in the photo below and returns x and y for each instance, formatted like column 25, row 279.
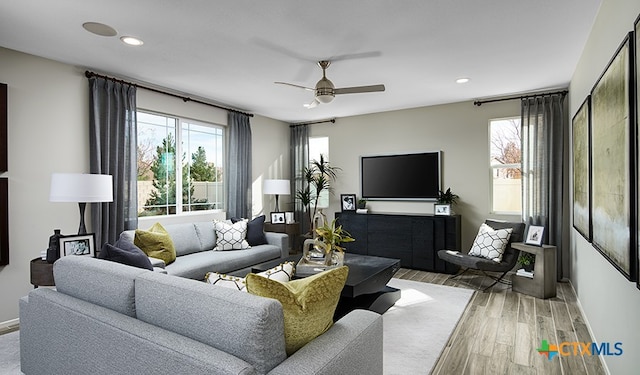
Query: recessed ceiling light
column 462, row 80
column 132, row 41
column 99, row 29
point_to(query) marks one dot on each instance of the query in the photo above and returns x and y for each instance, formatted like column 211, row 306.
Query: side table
column 292, row 229
column 543, row 284
column 41, row 273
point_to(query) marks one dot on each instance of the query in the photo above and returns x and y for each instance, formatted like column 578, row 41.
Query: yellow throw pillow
column 308, row 304
column 156, row 243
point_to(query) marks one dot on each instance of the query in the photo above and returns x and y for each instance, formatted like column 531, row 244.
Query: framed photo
column 348, row 202
column 534, row 235
column 81, row 245
column 3, row 128
column 581, row 140
column 613, row 144
column 277, row 218
column 442, row 209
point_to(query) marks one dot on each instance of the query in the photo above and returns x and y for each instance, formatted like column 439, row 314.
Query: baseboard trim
column 9, row 324
column 586, row 322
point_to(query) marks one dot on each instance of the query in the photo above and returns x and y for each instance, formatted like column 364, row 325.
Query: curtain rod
column 89, row 74
column 521, row 97
column 333, row 120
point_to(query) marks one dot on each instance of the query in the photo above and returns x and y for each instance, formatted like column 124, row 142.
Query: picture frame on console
column 278, row 218
column 443, row 209
column 534, row 235
column 348, row 202
column 78, row 245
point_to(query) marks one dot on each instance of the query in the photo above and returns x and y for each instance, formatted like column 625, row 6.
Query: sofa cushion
column 249, row 327
column 184, row 237
column 126, row 253
column 156, row 242
column 308, row 304
column 104, row 283
column 231, row 236
column 282, row 272
column 255, row 230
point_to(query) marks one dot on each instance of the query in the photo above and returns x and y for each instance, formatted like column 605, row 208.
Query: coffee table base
column 377, row 302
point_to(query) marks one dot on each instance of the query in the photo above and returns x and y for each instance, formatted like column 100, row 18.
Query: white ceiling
column 231, row 52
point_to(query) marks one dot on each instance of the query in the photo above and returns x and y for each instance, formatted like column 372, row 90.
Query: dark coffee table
column 366, row 286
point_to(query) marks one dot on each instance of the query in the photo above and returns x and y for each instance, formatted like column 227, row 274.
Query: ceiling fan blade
column 298, row 86
column 313, row 104
column 358, row 89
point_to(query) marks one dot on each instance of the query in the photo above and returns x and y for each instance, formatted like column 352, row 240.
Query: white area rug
column 418, row 326
column 10, row 353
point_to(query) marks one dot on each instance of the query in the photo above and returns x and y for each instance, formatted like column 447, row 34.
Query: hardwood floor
column 500, row 330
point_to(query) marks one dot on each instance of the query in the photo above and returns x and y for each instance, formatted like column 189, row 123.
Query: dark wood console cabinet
column 414, row 239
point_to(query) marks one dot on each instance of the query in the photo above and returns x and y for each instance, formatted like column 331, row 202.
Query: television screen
column 400, row 177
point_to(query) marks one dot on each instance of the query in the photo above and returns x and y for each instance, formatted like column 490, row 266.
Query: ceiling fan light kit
column 325, row 91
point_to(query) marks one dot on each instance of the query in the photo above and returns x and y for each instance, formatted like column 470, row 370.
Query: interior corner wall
column 609, row 301
column 48, row 114
column 459, row 130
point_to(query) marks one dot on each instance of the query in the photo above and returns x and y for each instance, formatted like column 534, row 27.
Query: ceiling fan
column 325, row 91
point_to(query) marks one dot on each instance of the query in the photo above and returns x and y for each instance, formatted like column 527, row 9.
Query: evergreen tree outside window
column 178, row 158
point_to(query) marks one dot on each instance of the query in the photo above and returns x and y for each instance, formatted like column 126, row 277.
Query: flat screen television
column 400, row 176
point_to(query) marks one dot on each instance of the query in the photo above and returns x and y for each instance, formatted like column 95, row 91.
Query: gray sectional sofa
column 109, row 318
column 194, row 244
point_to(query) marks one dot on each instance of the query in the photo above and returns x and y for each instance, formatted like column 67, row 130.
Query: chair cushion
column 490, row 243
column 156, row 243
column 308, row 304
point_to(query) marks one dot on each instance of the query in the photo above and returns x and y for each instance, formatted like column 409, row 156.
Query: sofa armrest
column 352, row 346
column 279, row 239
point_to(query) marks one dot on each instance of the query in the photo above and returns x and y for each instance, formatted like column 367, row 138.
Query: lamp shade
column 78, row 187
column 277, row 187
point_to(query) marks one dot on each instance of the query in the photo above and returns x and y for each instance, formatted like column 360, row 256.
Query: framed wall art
column 613, row 163
column 4, row 165
column 581, row 141
column 4, row 221
column 636, row 44
column 82, row 245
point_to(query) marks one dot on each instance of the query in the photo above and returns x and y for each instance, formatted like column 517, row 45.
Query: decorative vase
column 528, row 267
column 53, row 252
column 319, row 220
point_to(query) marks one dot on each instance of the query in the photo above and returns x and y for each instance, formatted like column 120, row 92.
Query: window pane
column 156, row 164
column 319, row 146
column 505, row 161
column 202, row 184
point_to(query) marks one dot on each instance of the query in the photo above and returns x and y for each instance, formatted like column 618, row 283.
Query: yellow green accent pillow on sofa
column 156, row 243
column 308, row 304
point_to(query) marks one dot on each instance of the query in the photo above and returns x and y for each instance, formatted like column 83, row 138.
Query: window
column 506, row 165
column 196, row 175
column 320, row 146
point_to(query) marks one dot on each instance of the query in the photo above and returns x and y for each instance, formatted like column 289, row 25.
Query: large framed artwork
column 613, row 163
column 581, row 142
column 3, row 128
column 4, row 221
column 636, row 28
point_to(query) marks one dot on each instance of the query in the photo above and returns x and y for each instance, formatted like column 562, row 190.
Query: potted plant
column 328, row 241
column 447, row 197
column 527, row 260
column 362, row 203
column 316, row 179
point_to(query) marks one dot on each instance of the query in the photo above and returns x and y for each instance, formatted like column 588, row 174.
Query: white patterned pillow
column 231, row 236
column 491, row 243
column 283, row 272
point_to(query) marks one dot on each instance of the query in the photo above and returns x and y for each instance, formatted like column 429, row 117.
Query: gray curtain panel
column 113, row 144
column 238, row 176
column 545, row 171
column 299, row 159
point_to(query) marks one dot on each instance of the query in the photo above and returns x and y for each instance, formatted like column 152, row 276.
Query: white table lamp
column 277, row 187
column 81, row 188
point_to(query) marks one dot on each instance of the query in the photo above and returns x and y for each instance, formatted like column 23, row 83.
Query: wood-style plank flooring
column 500, row 330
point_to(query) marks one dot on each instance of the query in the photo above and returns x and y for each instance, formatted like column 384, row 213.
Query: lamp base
column 82, row 229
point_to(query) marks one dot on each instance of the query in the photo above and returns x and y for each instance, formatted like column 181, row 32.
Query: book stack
column 523, row 273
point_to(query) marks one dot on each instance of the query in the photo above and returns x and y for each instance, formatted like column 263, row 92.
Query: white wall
column 48, row 132
column 460, row 130
column 611, row 303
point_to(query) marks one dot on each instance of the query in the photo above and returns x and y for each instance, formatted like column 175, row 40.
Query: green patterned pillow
column 308, row 304
column 156, row 243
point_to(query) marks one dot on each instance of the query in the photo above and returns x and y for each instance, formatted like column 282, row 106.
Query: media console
column 414, row 239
